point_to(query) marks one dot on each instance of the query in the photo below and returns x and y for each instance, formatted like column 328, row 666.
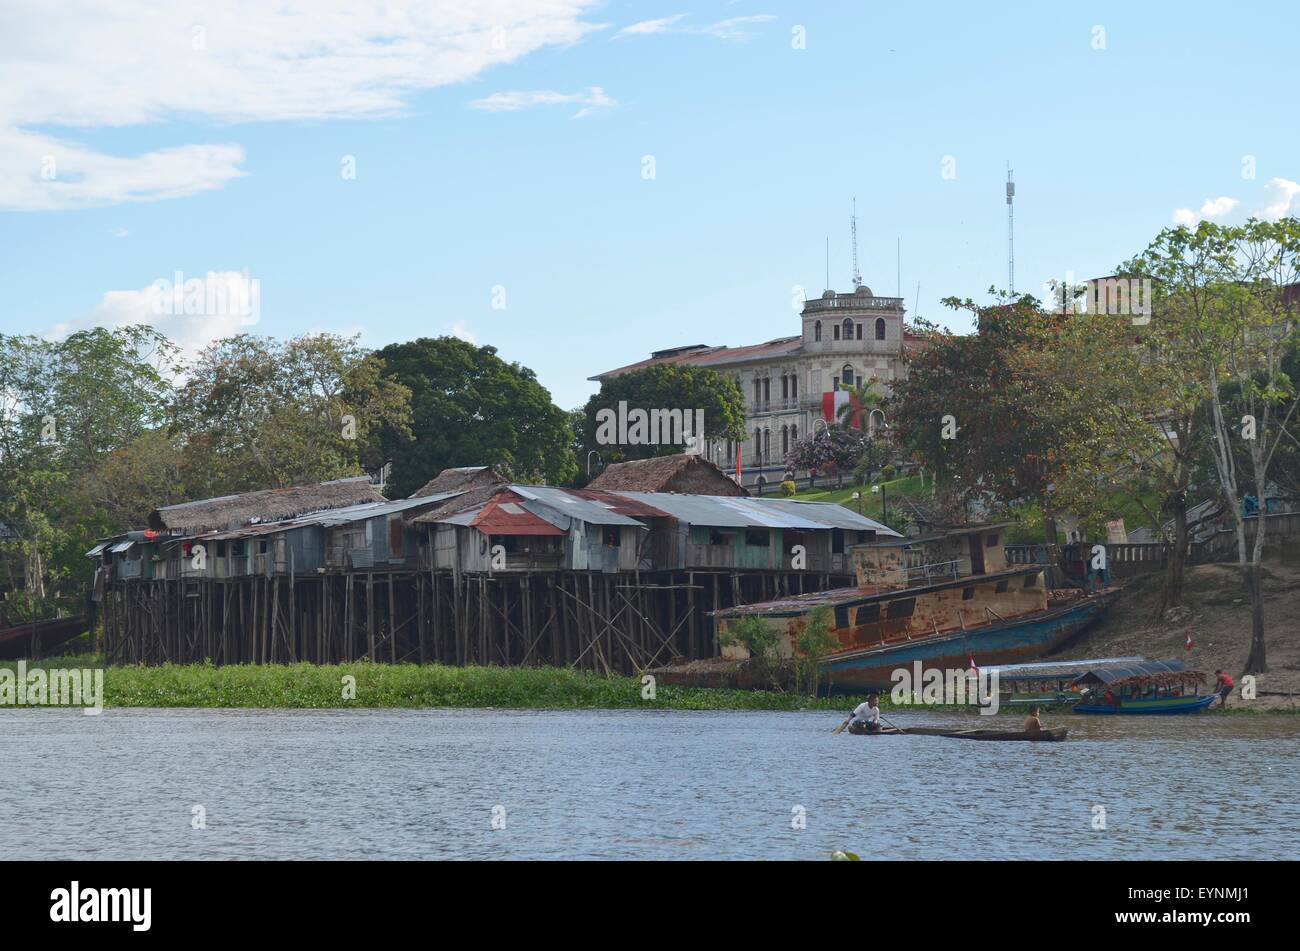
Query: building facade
column 844, row 338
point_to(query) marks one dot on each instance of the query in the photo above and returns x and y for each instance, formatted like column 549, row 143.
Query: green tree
column 992, row 417
column 814, row 641
column 1226, row 307
column 665, row 387
column 65, row 407
column 470, row 407
column 257, row 412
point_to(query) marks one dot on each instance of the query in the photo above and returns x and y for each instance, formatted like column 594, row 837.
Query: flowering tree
column 832, row 450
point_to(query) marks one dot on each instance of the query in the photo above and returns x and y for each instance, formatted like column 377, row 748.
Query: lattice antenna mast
column 1011, row 233
column 853, row 228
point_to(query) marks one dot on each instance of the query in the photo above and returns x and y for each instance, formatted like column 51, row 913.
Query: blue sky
column 504, row 148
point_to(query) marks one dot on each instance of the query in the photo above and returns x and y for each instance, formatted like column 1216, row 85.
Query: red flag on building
column 973, row 669
column 1188, row 643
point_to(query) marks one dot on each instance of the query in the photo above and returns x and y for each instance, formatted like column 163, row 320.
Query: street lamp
column 589, row 455
column 884, row 502
column 857, row 497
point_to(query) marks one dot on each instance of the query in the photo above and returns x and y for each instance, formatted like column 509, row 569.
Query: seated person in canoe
column 865, row 717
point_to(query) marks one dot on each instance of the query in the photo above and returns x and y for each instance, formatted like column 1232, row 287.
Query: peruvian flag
column 831, row 403
column 1187, row 644
column 737, row 462
column 973, row 669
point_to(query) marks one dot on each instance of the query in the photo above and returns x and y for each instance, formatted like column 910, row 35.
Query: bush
column 759, row 639
column 888, row 472
column 788, row 488
column 814, row 642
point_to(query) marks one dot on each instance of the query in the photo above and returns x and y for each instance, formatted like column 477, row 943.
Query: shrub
column 788, row 488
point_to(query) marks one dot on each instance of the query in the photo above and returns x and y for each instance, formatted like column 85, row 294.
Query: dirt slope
column 1217, row 614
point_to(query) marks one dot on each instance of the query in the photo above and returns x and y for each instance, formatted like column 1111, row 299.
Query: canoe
column 1040, row 736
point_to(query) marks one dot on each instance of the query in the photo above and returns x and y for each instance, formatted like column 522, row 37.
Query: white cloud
column 591, row 100
column 1279, row 193
column 69, row 65
column 1212, row 209
column 230, row 304
column 647, row 27
column 461, row 332
column 734, row 28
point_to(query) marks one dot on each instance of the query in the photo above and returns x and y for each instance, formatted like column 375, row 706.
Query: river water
column 431, row 784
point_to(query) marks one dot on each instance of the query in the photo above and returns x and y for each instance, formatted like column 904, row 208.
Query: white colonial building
column 845, row 338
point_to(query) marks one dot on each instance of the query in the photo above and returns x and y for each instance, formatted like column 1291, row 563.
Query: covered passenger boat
column 1152, row 686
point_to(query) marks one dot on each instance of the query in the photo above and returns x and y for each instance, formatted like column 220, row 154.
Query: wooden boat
column 1190, row 703
column 38, row 637
column 1040, row 736
column 944, row 601
column 1148, row 687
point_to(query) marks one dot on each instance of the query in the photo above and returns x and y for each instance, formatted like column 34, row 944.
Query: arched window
column 785, row 440
column 880, row 328
column 848, row 329
column 767, row 444
column 794, row 434
column 758, row 446
column 817, row 331
column 847, row 375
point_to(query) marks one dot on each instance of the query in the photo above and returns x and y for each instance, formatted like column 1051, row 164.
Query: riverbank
column 1216, row 615
column 411, row 686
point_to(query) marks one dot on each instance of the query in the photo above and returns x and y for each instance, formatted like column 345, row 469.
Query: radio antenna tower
column 1011, row 234
column 853, row 228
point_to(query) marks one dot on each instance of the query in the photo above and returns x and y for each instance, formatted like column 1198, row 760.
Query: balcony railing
column 852, row 302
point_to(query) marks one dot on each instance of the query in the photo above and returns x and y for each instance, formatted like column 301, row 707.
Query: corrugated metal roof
column 736, row 512
column 574, row 506
column 122, row 546
column 828, row 513
column 330, row 518
column 97, row 550
column 355, row 513
column 620, row 503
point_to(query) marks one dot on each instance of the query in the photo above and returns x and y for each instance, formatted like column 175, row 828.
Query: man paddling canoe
column 1032, row 723
column 865, row 717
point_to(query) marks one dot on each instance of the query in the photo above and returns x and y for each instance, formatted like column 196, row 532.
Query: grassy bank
column 410, row 685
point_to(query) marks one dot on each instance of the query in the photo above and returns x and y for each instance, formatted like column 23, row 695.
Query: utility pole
column 1011, row 233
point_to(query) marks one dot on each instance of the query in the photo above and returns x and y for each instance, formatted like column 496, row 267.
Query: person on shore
column 1223, row 686
column 1032, row 722
column 865, row 717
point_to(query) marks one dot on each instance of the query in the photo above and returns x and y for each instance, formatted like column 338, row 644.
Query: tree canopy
column 470, row 407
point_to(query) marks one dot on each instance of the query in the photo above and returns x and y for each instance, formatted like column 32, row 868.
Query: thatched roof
column 682, row 473
column 457, row 480
column 264, row 505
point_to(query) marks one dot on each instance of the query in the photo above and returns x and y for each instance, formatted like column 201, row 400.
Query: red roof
column 619, row 504
column 504, row 515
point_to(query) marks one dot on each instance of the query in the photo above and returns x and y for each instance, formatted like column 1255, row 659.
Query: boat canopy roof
column 1150, row 671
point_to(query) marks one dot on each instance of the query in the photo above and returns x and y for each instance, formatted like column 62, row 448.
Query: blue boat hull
column 1156, row 706
column 1005, row 642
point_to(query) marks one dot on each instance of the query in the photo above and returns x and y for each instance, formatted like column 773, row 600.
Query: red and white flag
column 973, row 669
column 1188, row 643
column 831, row 403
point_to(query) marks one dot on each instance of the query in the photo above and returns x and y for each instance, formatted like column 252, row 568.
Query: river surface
column 428, row 784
